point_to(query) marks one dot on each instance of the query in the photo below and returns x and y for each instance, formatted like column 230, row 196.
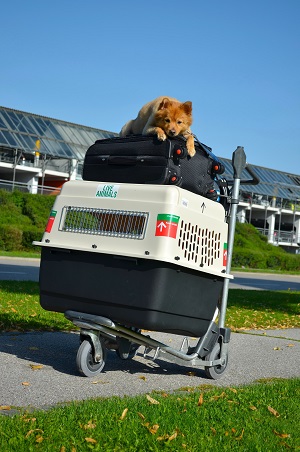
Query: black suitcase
column 146, row 160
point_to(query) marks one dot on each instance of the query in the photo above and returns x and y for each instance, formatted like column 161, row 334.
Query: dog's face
column 174, row 118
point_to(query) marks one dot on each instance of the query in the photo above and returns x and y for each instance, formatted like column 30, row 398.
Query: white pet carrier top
column 156, row 222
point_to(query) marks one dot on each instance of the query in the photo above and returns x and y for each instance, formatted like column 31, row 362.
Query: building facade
column 272, row 206
column 38, row 154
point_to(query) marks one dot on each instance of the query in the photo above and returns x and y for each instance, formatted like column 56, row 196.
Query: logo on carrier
column 107, row 191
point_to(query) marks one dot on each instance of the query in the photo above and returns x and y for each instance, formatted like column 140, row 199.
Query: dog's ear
column 187, row 107
column 164, row 103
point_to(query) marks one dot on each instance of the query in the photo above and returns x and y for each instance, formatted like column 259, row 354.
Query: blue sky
column 97, row 62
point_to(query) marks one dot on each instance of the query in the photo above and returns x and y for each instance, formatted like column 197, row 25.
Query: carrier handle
column 122, row 160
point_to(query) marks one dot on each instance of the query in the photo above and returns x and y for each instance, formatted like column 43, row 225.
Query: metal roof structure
column 30, row 133
column 273, row 183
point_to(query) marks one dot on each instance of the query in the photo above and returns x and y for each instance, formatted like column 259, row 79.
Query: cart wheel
column 86, row 364
column 126, row 349
column 215, row 372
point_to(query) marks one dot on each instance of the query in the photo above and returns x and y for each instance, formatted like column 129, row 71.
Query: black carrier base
column 139, row 293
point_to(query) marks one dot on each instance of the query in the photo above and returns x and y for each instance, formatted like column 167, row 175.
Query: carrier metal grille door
column 114, row 223
column 199, row 245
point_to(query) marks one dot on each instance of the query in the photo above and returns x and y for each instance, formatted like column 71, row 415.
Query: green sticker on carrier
column 166, row 225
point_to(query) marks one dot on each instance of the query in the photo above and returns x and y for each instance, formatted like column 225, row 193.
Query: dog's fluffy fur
column 163, row 117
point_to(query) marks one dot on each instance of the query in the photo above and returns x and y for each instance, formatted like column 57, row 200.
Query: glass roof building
column 38, row 154
column 273, row 183
column 272, row 206
column 52, row 137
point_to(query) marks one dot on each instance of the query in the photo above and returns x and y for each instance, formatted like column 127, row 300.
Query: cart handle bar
column 239, row 164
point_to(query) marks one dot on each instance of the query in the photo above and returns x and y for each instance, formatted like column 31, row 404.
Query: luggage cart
column 120, row 260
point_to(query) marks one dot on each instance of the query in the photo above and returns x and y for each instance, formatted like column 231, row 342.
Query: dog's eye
column 167, row 120
column 179, row 122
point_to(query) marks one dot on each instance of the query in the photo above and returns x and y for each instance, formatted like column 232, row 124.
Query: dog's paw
column 190, row 144
column 191, row 151
column 161, row 136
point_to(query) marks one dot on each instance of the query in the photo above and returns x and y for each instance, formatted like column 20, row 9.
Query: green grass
column 21, row 310
column 259, row 417
column 27, row 254
column 247, row 309
column 252, row 309
column 23, row 219
column 252, row 251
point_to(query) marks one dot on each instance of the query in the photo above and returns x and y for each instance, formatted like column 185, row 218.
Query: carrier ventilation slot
column 199, row 245
column 112, row 223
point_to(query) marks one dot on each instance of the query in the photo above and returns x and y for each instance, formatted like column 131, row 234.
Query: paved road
column 56, row 379
column 19, row 269
column 265, row 281
column 28, row 270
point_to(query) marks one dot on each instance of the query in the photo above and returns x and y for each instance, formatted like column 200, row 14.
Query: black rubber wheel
column 215, row 372
column 86, row 364
column 126, row 349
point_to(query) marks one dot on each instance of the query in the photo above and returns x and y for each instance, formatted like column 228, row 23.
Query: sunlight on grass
column 240, row 418
column 250, row 309
column 21, row 310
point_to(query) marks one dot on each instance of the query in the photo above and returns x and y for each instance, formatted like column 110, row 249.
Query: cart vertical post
column 238, row 164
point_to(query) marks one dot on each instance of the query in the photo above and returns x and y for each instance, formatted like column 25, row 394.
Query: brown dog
column 163, row 117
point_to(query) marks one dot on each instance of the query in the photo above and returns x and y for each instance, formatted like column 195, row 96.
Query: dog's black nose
column 172, row 132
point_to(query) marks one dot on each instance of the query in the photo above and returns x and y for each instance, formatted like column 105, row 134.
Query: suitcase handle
column 122, row 160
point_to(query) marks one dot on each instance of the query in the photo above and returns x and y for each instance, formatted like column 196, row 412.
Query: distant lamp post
column 279, row 225
column 16, row 161
column 37, row 152
column 293, row 235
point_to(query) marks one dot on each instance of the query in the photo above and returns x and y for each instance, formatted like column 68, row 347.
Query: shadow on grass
column 21, row 287
column 51, row 322
column 21, row 310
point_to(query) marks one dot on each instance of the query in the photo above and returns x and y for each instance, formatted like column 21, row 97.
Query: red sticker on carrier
column 51, row 220
column 166, row 225
column 225, row 255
